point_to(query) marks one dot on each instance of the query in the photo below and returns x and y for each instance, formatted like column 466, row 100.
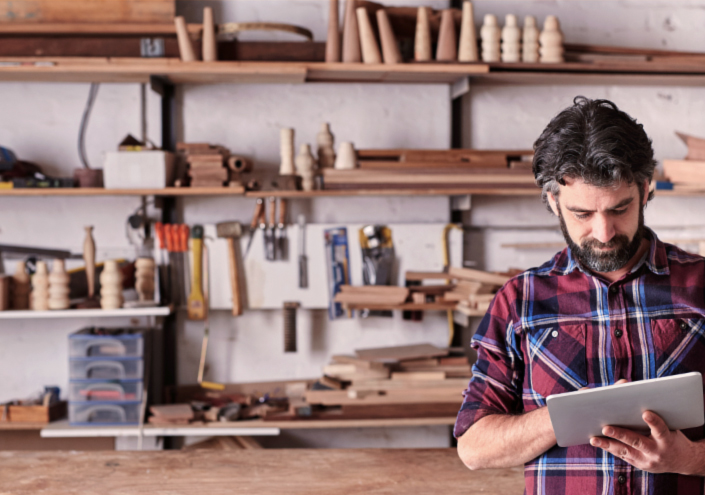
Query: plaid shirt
column 648, row 324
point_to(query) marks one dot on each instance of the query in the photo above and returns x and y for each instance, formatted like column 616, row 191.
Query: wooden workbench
column 285, row 471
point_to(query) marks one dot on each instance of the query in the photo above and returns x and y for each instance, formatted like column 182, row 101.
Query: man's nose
column 602, row 229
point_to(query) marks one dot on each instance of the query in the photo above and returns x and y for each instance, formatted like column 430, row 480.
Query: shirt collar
column 656, row 259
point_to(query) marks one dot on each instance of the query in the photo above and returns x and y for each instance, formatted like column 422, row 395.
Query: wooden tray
column 33, row 414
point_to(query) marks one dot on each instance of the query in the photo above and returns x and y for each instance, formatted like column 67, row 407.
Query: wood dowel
column 390, row 48
column 446, row 50
column 333, row 40
column 209, row 48
column 185, row 46
column 351, row 35
column 370, row 50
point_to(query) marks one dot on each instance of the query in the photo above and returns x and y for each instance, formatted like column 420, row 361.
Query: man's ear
column 552, row 202
column 646, row 193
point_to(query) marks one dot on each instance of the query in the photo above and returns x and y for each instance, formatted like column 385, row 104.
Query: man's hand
column 663, row 451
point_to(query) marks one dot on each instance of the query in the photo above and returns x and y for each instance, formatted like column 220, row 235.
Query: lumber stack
column 437, row 169
column 391, row 382
column 208, row 165
column 384, row 297
column 689, row 173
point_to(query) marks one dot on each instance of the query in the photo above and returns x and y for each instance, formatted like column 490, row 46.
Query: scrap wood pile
column 207, row 165
column 389, row 382
column 434, row 169
column 463, row 289
column 689, row 173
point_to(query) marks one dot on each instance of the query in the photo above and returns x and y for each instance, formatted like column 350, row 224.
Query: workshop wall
column 40, row 123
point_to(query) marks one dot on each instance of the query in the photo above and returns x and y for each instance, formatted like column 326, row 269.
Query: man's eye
column 582, row 216
column 619, row 212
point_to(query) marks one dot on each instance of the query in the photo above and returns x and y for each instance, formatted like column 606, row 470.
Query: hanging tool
column 232, row 232
column 196, row 304
column 269, row 233
column 163, row 268
column 182, row 233
column 259, row 210
column 282, row 243
column 206, row 327
column 290, row 326
column 174, row 275
column 303, row 261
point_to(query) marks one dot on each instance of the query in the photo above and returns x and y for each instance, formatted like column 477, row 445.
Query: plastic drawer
column 114, row 390
column 107, row 343
column 105, row 369
column 104, row 413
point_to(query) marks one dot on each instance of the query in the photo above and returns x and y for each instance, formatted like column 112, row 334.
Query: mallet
column 232, row 232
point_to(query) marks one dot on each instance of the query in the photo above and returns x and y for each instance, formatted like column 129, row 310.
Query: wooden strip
column 360, row 363
column 454, row 383
column 477, row 275
column 87, row 11
column 418, row 375
column 340, row 397
column 401, row 353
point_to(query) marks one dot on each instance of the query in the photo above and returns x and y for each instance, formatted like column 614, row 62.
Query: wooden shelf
column 99, row 191
column 258, row 427
column 84, row 313
column 139, row 70
column 15, row 426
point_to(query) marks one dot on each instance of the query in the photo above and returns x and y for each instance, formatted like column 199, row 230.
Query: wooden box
column 34, row 414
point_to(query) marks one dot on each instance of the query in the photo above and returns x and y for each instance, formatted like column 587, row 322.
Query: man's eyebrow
column 621, row 204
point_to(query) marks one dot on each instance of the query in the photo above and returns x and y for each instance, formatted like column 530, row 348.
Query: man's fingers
column 616, row 448
column 659, row 428
column 620, row 381
column 630, row 438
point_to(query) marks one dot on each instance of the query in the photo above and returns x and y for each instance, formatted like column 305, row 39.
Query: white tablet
column 578, row 416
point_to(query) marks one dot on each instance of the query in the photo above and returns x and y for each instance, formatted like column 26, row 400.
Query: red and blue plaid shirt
column 557, row 329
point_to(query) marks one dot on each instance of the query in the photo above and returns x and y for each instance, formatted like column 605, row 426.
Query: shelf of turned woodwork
column 524, row 191
column 444, row 306
column 11, row 314
column 99, row 191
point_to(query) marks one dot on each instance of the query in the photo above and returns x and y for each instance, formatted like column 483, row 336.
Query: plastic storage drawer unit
column 104, row 413
column 100, row 390
column 106, row 369
column 106, row 343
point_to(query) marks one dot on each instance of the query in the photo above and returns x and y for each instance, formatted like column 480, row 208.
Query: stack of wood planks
column 391, row 297
column 211, row 165
column 390, row 382
column 688, row 174
column 435, row 169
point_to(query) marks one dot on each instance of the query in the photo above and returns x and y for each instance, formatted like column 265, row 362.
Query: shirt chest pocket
column 558, row 359
column 673, row 343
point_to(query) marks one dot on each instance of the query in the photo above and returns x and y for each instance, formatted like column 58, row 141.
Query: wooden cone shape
column 446, row 50
column 390, row 48
column 210, row 50
column 333, row 41
column 185, row 46
column 351, row 35
column 370, row 50
column 467, row 49
column 422, row 41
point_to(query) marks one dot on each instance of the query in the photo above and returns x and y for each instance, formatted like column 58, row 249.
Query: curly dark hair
column 595, row 141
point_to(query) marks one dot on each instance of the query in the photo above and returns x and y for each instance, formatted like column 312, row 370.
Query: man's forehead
column 579, row 194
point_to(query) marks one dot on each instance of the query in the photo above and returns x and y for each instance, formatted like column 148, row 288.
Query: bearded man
column 617, row 304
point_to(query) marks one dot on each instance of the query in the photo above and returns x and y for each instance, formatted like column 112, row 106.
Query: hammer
column 232, row 232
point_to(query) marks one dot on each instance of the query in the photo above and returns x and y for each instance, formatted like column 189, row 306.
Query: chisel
column 196, row 304
column 269, row 233
column 182, row 235
column 303, row 261
column 259, row 210
column 282, row 246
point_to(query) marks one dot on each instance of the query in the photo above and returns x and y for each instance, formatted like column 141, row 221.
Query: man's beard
column 622, row 249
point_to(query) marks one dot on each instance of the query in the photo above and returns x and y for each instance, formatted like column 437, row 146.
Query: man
column 616, row 304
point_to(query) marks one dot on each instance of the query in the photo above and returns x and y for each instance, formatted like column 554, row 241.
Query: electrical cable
column 92, row 93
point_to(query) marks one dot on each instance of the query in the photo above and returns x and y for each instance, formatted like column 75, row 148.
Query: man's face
column 603, row 226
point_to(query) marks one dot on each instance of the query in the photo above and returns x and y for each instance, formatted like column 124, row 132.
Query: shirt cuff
column 470, row 414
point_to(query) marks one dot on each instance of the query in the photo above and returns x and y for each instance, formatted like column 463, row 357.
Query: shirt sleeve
column 498, row 373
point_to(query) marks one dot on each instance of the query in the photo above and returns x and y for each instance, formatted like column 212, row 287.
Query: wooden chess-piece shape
column 144, row 279
column 286, row 149
column 530, row 40
column 551, row 40
column 347, row 158
column 333, row 40
column 209, row 48
column 446, row 50
column 390, row 48
column 351, row 35
column 89, row 259
column 305, row 167
column 370, row 50
column 422, row 40
column 511, row 40
column 326, row 152
column 20, row 287
column 111, row 286
column 185, row 46
column 467, row 49
column 490, row 34
column 58, row 286
column 40, row 287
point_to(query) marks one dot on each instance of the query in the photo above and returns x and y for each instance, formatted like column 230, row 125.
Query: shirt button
column 554, row 333
column 618, row 333
column 614, row 289
column 622, row 479
column 684, row 325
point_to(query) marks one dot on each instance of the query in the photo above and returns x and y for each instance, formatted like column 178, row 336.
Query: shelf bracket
column 459, row 88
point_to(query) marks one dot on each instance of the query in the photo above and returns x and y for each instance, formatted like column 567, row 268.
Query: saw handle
column 259, row 211
column 272, row 211
column 283, row 207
